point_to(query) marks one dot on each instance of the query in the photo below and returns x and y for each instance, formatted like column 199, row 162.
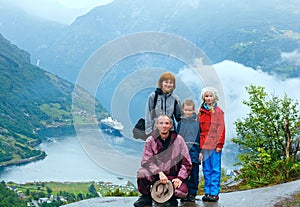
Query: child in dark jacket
column 189, row 129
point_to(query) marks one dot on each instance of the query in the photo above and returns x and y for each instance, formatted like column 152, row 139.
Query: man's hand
column 163, row 178
column 176, row 183
column 218, row 150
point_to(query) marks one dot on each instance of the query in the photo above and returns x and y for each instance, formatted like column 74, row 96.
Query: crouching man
column 165, row 157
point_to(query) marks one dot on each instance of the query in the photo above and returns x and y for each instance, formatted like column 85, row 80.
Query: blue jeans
column 211, row 171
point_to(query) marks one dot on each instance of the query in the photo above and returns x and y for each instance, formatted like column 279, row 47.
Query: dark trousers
column 145, row 180
column 193, row 180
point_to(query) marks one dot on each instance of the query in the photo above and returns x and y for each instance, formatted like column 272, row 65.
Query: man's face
column 163, row 125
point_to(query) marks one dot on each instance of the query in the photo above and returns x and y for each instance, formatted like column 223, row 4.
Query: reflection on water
column 67, row 161
column 125, row 145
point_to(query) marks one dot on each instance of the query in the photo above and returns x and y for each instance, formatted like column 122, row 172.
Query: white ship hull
column 111, row 126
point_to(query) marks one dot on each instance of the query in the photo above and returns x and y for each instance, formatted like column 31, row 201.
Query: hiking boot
column 172, row 202
column 144, row 200
column 205, row 198
column 213, row 198
column 189, row 198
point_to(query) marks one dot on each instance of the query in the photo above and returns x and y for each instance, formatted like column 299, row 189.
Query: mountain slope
column 259, row 34
column 30, row 99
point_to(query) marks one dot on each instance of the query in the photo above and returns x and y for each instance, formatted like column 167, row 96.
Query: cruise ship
column 111, row 126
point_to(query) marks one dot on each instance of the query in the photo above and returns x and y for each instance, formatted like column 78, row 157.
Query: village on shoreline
column 49, row 193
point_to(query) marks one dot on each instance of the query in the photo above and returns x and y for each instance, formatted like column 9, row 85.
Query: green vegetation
column 72, row 187
column 9, row 198
column 57, row 113
column 262, row 48
column 32, row 99
column 269, row 140
column 57, row 193
column 109, row 189
column 56, row 187
column 224, row 178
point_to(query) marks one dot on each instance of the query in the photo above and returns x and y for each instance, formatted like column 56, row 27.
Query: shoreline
column 42, row 134
column 41, row 156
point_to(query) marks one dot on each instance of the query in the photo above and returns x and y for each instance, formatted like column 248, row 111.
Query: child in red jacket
column 212, row 137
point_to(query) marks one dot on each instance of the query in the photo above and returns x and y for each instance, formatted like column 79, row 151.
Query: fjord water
column 67, row 161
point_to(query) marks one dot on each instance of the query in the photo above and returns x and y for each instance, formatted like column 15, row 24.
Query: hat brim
column 162, row 197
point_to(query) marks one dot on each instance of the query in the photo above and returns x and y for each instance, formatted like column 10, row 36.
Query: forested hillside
column 8, row 198
column 30, row 99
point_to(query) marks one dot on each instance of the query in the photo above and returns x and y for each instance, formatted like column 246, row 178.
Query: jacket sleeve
column 186, row 163
column 148, row 157
column 198, row 139
column 178, row 127
column 221, row 129
column 177, row 109
column 148, row 114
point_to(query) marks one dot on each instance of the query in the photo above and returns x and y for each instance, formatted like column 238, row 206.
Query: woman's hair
column 212, row 91
column 166, row 76
column 188, row 102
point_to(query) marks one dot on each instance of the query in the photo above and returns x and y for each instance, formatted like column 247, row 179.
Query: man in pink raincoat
column 165, row 157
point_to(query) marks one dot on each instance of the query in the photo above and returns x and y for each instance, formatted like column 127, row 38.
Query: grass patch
column 56, row 187
column 72, row 187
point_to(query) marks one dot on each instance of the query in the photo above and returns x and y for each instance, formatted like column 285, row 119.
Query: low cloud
column 291, row 57
column 234, row 78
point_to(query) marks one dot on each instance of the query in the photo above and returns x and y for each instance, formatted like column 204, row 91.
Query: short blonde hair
column 166, row 76
column 188, row 102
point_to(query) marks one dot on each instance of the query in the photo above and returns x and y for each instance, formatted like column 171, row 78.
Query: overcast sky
column 63, row 11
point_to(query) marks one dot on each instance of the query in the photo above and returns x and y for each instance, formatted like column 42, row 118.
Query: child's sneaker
column 189, row 198
column 205, row 197
column 213, row 198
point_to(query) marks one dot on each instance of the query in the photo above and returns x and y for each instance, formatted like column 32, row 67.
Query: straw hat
column 162, row 192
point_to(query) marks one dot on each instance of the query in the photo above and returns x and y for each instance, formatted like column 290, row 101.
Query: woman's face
column 167, row 86
column 209, row 98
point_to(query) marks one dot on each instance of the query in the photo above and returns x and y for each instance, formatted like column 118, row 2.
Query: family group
column 179, row 140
